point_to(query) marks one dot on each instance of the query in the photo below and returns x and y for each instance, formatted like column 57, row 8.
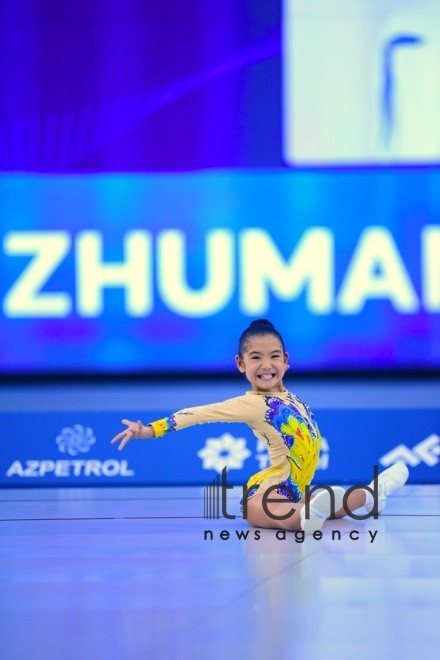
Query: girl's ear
column 239, row 363
column 286, row 358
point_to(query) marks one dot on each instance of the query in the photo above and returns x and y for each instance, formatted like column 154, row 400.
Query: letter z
column 24, row 298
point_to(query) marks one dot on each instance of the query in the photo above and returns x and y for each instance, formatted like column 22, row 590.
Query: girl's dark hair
column 257, row 327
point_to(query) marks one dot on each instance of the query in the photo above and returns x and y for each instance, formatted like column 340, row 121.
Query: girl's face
column 264, row 363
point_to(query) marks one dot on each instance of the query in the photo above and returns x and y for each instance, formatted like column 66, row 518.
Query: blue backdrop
column 70, row 449
column 171, row 171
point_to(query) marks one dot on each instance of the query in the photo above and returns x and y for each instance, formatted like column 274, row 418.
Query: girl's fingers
column 124, row 435
column 125, row 440
column 127, row 434
column 118, row 437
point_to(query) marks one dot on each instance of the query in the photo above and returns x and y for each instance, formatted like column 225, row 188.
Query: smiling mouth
column 266, row 376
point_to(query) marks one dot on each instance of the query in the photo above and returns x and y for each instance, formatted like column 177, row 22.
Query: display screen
column 171, row 171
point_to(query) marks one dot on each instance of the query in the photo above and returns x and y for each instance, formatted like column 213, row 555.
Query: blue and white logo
column 75, row 440
column 425, row 452
column 361, row 83
column 224, row 451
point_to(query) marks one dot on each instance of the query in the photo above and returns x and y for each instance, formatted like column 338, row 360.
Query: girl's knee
column 252, row 521
column 253, row 517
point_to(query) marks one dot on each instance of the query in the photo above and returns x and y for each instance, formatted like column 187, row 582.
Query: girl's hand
column 134, row 430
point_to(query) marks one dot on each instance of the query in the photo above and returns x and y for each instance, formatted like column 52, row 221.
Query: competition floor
column 125, row 573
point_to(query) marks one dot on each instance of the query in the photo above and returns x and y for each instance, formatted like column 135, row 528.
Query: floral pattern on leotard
column 303, row 440
column 286, row 488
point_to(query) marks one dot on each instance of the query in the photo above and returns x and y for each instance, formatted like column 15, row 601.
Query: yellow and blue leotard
column 281, row 420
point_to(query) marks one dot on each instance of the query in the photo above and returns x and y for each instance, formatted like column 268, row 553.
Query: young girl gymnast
column 288, row 427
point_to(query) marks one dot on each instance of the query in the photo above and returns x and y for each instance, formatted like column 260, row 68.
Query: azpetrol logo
column 74, row 441
column 216, row 493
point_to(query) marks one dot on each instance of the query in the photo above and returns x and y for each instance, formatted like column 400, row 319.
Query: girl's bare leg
column 389, row 481
column 290, row 513
column 257, row 517
column 355, row 500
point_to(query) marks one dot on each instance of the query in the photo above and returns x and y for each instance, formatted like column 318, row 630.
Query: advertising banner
column 73, row 449
column 162, row 273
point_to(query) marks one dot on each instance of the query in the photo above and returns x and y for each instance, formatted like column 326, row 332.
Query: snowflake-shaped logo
column 225, row 451
column 75, row 440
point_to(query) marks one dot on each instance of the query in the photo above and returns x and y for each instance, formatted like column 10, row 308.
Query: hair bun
column 259, row 327
column 265, row 322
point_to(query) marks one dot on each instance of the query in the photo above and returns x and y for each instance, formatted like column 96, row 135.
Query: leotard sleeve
column 238, row 409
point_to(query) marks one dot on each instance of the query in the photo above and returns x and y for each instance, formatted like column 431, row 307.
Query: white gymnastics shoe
column 321, row 509
column 388, row 481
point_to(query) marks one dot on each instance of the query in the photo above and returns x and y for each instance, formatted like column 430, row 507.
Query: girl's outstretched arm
column 134, row 430
column 238, row 409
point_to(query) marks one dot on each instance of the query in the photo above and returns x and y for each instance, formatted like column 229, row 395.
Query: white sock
column 320, row 510
column 369, row 502
column 314, row 522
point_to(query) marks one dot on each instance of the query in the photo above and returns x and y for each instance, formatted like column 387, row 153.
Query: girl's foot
column 389, row 481
column 321, row 509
